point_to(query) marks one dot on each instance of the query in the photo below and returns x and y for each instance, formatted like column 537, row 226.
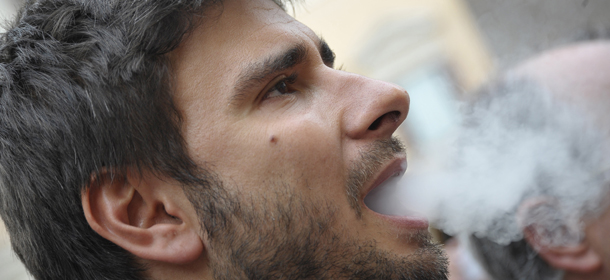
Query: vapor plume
column 516, row 141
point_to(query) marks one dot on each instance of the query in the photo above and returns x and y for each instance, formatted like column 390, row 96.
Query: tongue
column 386, row 198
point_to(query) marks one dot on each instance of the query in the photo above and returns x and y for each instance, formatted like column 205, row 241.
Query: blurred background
column 439, row 50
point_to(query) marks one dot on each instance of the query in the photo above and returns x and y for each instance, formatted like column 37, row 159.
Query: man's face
column 297, row 146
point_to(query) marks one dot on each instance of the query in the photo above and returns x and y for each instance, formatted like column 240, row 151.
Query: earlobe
column 556, row 238
column 143, row 216
column 578, row 257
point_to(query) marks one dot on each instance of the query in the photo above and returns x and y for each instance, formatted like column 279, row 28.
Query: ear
column 556, row 238
column 144, row 215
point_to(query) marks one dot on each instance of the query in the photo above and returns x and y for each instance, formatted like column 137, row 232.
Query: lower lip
column 413, row 222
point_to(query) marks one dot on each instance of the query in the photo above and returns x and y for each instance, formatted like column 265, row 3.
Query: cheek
column 302, row 153
column 210, row 143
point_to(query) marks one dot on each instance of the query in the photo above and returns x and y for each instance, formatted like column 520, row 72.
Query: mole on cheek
column 273, row 139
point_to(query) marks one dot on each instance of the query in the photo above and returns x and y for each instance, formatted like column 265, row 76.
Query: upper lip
column 398, row 165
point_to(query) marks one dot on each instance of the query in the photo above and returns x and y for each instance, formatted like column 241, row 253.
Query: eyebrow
column 256, row 73
column 327, row 54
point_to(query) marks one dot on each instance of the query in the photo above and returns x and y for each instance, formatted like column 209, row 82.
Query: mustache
column 372, row 158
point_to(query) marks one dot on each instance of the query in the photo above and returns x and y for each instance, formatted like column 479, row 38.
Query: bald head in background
column 578, row 73
column 577, row 76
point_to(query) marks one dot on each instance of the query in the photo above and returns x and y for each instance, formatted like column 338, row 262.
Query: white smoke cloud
column 516, row 141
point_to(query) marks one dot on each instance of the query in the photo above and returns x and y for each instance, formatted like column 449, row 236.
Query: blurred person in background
column 201, row 139
column 558, row 244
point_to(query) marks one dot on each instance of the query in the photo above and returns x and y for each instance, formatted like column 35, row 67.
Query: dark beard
column 289, row 237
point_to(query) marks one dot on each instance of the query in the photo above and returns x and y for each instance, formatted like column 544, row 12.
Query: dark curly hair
column 85, row 86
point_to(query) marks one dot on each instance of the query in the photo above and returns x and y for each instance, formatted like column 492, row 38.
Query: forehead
column 230, row 38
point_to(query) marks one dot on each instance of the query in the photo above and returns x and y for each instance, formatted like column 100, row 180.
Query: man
column 196, row 140
column 564, row 230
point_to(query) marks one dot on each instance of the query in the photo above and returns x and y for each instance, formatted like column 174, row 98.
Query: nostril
column 375, row 125
column 387, row 117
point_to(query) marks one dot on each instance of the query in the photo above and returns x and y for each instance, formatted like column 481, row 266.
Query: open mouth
column 387, row 194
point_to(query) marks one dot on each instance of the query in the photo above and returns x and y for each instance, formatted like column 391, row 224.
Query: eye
column 282, row 87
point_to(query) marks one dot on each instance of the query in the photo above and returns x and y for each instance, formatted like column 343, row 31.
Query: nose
column 373, row 109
